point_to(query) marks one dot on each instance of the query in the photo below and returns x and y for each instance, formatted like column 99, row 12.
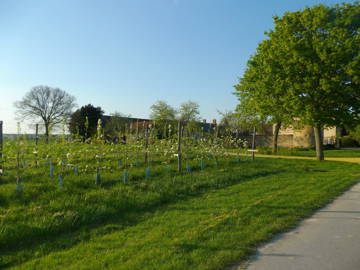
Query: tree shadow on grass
column 41, row 243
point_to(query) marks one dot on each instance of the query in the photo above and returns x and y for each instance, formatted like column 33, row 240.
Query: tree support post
column 1, row 146
column 179, row 146
column 253, row 144
column 137, row 129
column 146, row 144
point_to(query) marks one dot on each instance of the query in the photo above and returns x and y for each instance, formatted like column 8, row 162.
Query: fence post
column 1, row 146
column 253, row 143
column 179, row 146
column 146, row 144
column 137, row 129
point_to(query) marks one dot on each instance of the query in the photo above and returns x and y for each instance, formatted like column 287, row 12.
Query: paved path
column 329, row 240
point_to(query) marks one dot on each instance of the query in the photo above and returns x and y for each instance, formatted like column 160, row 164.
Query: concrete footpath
column 330, row 239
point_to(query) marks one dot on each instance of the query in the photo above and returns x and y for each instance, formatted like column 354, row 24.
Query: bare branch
column 52, row 105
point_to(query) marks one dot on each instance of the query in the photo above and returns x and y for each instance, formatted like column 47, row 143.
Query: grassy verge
column 207, row 220
column 311, row 153
column 305, row 152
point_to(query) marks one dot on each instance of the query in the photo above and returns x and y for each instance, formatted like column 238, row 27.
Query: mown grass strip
column 308, row 152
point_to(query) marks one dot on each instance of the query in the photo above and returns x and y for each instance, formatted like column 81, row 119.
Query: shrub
column 355, row 134
column 348, row 141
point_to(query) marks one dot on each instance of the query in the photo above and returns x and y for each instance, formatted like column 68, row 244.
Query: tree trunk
column 46, row 132
column 318, row 142
column 338, row 135
column 276, row 137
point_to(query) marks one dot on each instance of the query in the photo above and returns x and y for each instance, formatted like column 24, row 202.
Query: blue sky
column 124, row 55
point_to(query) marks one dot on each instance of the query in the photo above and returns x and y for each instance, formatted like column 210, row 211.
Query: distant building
column 304, row 137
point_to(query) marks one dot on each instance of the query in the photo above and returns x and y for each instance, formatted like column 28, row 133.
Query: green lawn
column 205, row 220
column 307, row 152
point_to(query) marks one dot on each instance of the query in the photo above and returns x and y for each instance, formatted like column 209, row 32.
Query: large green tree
column 317, row 52
column 164, row 115
column 189, row 114
column 239, row 121
column 189, row 111
column 162, row 111
column 262, row 92
column 83, row 122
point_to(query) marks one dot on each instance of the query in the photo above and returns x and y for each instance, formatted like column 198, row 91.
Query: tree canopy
column 311, row 60
column 318, row 49
column 162, row 111
column 83, row 122
column 189, row 111
column 262, row 92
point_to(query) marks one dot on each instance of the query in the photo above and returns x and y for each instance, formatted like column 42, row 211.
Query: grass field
column 307, row 152
column 206, row 219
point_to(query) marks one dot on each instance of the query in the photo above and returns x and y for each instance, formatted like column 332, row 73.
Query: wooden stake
column 1, row 145
column 137, row 129
column 179, row 146
column 146, row 145
column 253, row 144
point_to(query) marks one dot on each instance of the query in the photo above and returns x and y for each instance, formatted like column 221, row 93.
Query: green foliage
column 189, row 111
column 167, row 120
column 83, row 122
column 233, row 125
column 308, row 68
column 115, row 126
column 161, row 111
column 317, row 50
column 348, row 141
column 262, row 91
column 355, row 134
column 233, row 122
column 164, row 115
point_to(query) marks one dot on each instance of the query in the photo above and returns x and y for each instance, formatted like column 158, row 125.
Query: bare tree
column 51, row 105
